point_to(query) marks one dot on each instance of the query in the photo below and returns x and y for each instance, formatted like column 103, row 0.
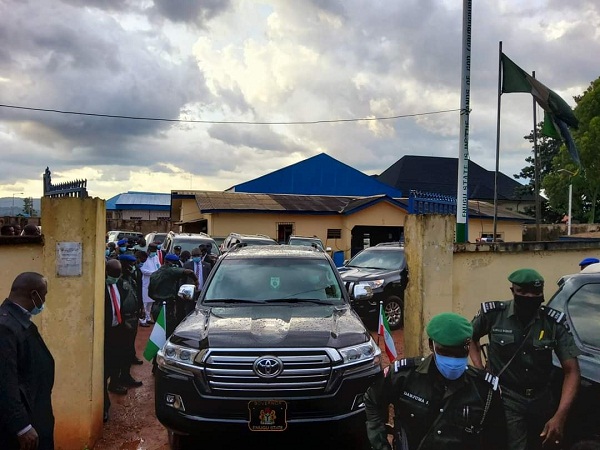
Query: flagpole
column 536, row 165
column 462, row 194
column 497, row 140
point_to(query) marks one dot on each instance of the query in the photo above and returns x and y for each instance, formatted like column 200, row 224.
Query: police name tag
column 267, row 415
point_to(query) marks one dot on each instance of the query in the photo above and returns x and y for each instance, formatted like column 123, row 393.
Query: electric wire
column 232, row 122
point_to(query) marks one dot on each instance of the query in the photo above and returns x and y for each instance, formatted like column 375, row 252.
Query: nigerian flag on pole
column 558, row 114
column 158, row 337
column 384, row 330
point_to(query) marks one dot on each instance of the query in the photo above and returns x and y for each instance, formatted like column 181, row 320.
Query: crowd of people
column 502, row 400
column 15, row 229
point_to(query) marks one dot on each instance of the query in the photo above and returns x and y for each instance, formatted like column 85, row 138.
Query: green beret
column 526, row 276
column 449, row 329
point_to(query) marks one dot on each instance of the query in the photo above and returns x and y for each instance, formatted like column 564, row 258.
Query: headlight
column 175, row 355
column 361, row 352
column 374, row 284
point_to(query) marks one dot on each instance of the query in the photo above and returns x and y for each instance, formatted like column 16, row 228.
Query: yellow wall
column 74, row 319
column 510, row 231
column 72, row 323
column 444, row 276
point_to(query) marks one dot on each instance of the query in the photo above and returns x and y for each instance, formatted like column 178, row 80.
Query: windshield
column 379, row 259
column 267, row 279
column 259, row 242
column 190, row 243
column 307, row 242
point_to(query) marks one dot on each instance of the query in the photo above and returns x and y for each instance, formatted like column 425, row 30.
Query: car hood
column 363, row 274
column 299, row 325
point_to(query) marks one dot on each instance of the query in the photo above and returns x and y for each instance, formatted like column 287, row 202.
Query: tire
column 393, row 307
column 179, row 441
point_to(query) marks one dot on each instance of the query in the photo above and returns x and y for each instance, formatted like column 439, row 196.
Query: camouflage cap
column 525, row 277
column 449, row 329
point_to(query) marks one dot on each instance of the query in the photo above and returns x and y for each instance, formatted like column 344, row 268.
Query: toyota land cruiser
column 273, row 348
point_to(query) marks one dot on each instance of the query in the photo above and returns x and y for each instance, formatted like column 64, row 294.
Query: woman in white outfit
column 150, row 266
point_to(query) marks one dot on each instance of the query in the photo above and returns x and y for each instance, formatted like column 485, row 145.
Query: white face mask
column 35, row 311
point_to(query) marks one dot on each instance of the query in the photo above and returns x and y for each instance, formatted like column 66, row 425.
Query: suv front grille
column 305, row 372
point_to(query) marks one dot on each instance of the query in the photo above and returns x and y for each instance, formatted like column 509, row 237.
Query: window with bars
column 334, row 233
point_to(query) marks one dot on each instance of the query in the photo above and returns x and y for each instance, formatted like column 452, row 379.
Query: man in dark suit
column 201, row 269
column 117, row 352
column 26, row 369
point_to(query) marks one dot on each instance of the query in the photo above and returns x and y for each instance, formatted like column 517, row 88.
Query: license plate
column 267, row 415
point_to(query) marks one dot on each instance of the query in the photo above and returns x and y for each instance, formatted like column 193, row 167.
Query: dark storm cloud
column 191, row 11
column 253, row 136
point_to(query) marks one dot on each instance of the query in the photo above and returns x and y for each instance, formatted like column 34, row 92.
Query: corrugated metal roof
column 140, row 200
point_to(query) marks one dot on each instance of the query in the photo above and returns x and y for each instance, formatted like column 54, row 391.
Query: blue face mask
column 107, row 252
column 35, row 311
column 159, row 246
column 111, row 280
column 123, row 249
column 152, row 254
column 450, row 367
column 197, row 259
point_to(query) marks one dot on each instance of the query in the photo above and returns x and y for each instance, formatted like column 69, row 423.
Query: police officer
column 522, row 335
column 439, row 401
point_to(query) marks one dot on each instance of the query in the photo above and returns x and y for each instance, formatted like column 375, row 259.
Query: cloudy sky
column 234, row 78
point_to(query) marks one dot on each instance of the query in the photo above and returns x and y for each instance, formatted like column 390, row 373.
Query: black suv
column 238, row 239
column 273, row 351
column 578, row 297
column 189, row 241
column 382, row 268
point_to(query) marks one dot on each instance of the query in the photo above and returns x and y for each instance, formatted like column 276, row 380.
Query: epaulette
column 491, row 306
column 554, row 314
column 406, row 363
column 491, row 379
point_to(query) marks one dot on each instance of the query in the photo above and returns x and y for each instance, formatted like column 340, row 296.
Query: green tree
column 28, row 206
column 586, row 182
column 548, row 148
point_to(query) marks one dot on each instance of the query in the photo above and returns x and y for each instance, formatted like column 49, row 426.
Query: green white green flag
column 558, row 114
column 158, row 337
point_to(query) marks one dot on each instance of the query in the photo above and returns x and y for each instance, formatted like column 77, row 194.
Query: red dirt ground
column 132, row 424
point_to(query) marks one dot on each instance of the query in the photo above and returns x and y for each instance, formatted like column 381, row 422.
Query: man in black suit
column 117, row 332
column 26, row 369
column 201, row 269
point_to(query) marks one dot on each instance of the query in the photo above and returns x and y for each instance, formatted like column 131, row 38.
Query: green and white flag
column 558, row 114
column 158, row 337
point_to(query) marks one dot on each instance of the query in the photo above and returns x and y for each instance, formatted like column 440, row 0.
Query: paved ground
column 132, row 424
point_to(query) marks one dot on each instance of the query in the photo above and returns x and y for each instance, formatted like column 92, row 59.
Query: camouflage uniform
column 525, row 383
column 436, row 413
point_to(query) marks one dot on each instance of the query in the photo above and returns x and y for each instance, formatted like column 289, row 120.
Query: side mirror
column 362, row 291
column 186, row 291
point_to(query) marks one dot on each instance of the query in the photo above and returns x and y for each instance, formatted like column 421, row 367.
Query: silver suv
column 189, row 241
column 238, row 239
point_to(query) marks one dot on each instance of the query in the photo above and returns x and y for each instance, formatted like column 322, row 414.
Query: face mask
column 159, row 246
column 123, row 249
column 197, row 259
column 152, row 254
column 111, row 280
column 450, row 367
column 525, row 307
column 107, row 252
column 35, row 311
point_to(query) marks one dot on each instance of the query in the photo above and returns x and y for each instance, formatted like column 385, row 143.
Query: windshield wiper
column 298, row 300
column 231, row 300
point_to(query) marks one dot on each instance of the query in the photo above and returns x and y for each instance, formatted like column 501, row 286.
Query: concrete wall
column 444, row 276
column 72, row 323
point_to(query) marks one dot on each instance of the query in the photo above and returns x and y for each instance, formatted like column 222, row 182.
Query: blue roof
column 318, row 175
column 140, row 200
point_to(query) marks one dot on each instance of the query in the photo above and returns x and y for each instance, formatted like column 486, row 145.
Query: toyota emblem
column 268, row 366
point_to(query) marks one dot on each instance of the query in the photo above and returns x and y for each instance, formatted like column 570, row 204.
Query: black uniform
column 26, row 379
column 522, row 357
column 434, row 412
